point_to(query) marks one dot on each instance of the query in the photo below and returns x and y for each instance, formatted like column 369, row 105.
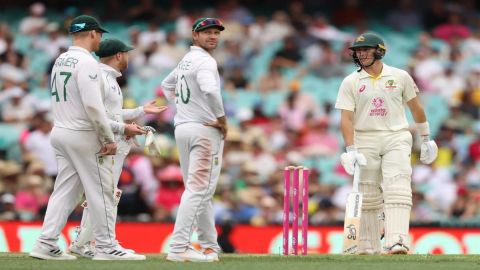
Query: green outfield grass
column 12, row 261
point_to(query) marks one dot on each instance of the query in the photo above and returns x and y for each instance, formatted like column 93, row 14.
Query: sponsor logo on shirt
column 93, row 77
column 362, row 88
column 378, row 107
column 391, row 84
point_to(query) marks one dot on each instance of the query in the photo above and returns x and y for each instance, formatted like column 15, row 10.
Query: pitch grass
column 14, row 261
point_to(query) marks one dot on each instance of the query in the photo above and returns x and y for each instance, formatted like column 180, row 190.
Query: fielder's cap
column 205, row 23
column 85, row 23
column 109, row 47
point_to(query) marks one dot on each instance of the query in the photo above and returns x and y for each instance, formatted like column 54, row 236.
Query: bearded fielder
column 200, row 127
column 376, row 136
column 113, row 55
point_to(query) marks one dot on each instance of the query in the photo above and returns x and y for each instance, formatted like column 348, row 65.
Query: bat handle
column 356, row 177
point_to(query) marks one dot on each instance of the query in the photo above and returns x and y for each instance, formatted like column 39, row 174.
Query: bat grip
column 356, row 177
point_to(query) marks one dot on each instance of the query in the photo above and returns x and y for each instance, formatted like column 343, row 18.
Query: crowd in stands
column 280, row 73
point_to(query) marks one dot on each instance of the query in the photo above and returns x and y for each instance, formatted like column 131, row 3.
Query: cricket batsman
column 374, row 127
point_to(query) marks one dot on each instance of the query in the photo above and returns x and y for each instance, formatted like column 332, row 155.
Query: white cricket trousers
column 86, row 226
column 80, row 168
column 200, row 148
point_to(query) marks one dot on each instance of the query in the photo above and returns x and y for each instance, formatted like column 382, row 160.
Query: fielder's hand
column 220, row 124
column 351, row 157
column 428, row 151
column 152, row 108
column 108, row 149
column 133, row 130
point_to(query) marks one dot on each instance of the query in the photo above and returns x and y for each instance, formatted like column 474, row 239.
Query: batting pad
column 369, row 222
column 398, row 203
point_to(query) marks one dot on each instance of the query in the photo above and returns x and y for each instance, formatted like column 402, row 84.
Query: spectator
column 169, row 193
column 38, row 144
column 404, row 16
column 31, row 199
column 7, row 208
column 34, row 23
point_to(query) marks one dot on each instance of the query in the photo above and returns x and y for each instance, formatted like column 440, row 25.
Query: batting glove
column 351, row 157
column 428, row 149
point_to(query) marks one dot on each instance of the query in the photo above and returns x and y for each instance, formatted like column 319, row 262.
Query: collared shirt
column 194, row 86
column 76, row 93
column 377, row 103
column 113, row 99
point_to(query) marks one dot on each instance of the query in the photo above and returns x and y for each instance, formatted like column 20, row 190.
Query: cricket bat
column 353, row 211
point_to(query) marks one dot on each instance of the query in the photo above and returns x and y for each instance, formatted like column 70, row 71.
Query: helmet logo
column 360, row 39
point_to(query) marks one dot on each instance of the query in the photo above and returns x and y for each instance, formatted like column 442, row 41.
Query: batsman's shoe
column 397, row 248
column 190, row 255
column 83, row 251
column 112, row 254
column 366, row 251
column 50, row 253
column 212, row 255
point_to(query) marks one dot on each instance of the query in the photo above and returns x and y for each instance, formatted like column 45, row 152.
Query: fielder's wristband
column 424, row 130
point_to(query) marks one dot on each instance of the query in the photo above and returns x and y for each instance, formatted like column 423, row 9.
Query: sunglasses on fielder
column 209, row 22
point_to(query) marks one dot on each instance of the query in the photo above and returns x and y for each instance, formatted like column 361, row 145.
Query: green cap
column 109, row 47
column 205, row 23
column 85, row 23
column 368, row 40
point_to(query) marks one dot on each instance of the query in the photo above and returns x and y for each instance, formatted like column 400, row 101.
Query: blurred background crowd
column 281, row 64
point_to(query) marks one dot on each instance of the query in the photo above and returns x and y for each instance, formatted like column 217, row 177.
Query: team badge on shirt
column 378, row 107
column 391, row 84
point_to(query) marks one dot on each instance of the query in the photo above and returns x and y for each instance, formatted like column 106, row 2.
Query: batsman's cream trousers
column 80, row 169
column 389, row 168
column 200, row 148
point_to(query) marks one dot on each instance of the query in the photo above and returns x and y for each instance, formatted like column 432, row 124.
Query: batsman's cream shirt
column 194, row 86
column 76, row 94
column 377, row 103
column 113, row 99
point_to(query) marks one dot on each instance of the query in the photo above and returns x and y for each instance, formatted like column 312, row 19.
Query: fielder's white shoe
column 118, row 246
column 212, row 255
column 111, row 254
column 49, row 253
column 190, row 255
column 83, row 251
